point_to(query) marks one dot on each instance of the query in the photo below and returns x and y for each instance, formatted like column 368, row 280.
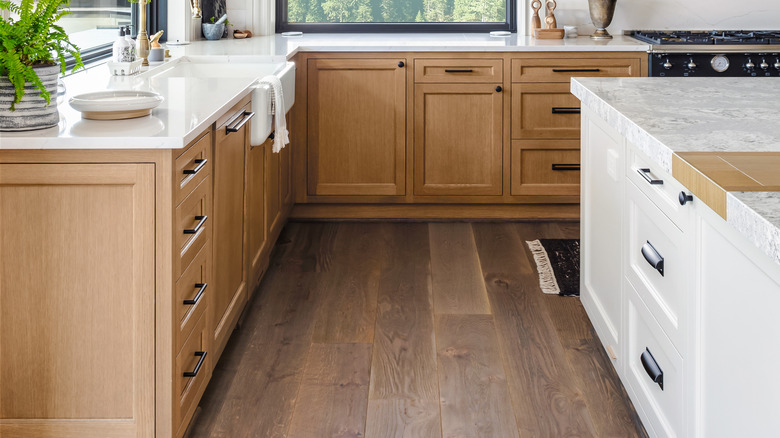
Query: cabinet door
column 356, row 126
column 273, row 199
column 229, row 250
column 457, row 139
column 257, row 238
column 77, row 300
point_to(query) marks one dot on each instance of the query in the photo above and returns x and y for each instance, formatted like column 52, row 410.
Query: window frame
column 282, row 25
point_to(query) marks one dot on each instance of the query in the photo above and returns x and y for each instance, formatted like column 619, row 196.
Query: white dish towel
column 276, row 107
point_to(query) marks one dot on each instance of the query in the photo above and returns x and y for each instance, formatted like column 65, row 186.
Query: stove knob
column 749, row 64
column 691, row 64
column 667, row 64
column 763, row 64
column 777, row 63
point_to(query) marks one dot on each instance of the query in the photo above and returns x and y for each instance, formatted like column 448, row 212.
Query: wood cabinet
column 545, row 167
column 257, row 233
column 356, row 122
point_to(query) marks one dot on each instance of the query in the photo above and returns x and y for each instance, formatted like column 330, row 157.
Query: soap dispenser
column 130, row 41
column 121, row 50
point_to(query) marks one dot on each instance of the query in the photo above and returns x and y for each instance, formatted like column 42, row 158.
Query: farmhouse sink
column 262, row 122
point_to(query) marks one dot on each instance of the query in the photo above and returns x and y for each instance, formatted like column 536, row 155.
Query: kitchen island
column 681, row 246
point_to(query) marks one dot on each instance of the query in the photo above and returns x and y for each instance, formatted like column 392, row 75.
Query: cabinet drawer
column 458, row 70
column 192, row 294
column 658, row 185
column 545, row 167
column 192, row 373
column 544, row 111
column 654, row 239
column 192, row 167
column 561, row 70
column 650, row 353
column 192, row 225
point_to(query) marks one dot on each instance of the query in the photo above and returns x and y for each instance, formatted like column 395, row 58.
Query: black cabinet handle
column 652, row 369
column 653, row 257
column 401, row 63
column 455, row 70
column 245, row 117
column 499, row 89
column 271, row 136
column 684, row 198
column 556, row 166
column 193, row 373
column 645, row 172
column 201, row 220
column 576, row 70
column 565, row 110
column 198, row 296
column 200, row 163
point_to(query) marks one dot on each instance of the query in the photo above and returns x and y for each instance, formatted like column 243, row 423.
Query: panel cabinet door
column 257, row 237
column 77, row 300
column 356, row 126
column 458, row 139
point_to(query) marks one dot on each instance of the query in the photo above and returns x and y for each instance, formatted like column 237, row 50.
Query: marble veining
column 757, row 216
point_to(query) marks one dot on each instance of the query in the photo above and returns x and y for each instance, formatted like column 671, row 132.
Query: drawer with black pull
column 658, row 264
column 545, row 167
column 192, row 372
column 192, row 167
column 559, row 69
column 192, row 293
column 654, row 371
column 468, row 71
column 545, row 111
column 666, row 192
column 192, row 225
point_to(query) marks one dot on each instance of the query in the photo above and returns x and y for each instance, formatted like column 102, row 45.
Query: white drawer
column 650, row 354
column 658, row 185
column 652, row 237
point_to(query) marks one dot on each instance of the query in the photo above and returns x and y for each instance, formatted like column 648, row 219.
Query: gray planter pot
column 32, row 112
column 213, row 31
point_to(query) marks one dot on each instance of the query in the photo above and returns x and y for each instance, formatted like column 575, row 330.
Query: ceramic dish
column 115, row 105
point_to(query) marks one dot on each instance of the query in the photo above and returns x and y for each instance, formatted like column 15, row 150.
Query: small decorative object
column 536, row 22
column 551, row 31
column 241, row 34
column 195, row 8
column 30, row 48
column 601, row 12
column 124, row 68
column 216, row 29
column 550, row 6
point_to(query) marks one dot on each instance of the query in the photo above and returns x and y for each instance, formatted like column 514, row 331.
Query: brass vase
column 601, row 12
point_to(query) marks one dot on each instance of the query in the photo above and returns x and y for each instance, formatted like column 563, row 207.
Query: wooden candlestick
column 536, row 22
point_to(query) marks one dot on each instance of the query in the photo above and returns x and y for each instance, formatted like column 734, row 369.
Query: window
column 395, row 15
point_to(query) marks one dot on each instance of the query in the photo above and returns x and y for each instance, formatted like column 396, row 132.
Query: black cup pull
column 499, row 89
column 401, row 63
column 684, row 198
column 565, row 167
column 201, row 220
column 653, row 257
column 201, row 162
column 193, row 373
column 198, row 296
column 245, row 117
column 652, row 369
column 565, row 110
column 645, row 172
column 576, row 70
column 456, row 70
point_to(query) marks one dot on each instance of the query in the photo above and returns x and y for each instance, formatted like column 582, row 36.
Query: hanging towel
column 276, row 107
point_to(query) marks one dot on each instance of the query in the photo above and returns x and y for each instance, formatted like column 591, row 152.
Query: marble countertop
column 664, row 116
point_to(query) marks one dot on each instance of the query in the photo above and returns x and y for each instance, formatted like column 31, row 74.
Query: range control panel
column 714, row 64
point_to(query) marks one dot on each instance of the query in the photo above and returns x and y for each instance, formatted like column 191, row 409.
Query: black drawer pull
column 201, row 162
column 198, row 296
column 556, row 166
column 193, row 373
column 576, row 70
column 645, row 172
column 245, row 117
column 653, row 257
column 455, row 70
column 652, row 369
column 565, row 110
column 201, row 220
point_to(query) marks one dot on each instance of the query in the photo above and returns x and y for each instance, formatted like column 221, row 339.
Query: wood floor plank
column 350, row 286
column 399, row 418
column 458, row 287
column 474, row 395
column 333, row 396
column 545, row 397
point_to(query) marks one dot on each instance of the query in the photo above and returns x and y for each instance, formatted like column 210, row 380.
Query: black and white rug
column 558, row 263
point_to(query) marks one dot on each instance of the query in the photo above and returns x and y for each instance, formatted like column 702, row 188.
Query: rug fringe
column 546, row 276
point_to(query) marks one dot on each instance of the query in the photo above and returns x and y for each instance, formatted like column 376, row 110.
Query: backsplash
column 675, row 14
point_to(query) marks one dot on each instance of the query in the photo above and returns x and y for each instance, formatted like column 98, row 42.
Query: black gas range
column 712, row 53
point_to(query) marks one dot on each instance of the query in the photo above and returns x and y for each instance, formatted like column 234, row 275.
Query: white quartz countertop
column 662, row 116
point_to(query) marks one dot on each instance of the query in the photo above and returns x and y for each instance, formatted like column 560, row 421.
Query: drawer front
column 659, row 186
column 192, row 167
column 545, row 167
column 193, row 225
column 192, row 373
column 561, row 70
column 651, row 354
column 192, row 292
column 458, row 70
column 657, row 263
column 544, row 111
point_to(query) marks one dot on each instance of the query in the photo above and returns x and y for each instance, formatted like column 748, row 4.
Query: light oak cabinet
column 356, row 126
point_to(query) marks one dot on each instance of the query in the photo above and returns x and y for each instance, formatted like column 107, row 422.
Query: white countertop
column 662, row 116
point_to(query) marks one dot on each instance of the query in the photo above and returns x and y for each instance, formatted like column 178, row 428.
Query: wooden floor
column 413, row 330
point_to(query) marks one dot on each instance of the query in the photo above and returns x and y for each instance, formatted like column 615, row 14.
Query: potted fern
column 32, row 54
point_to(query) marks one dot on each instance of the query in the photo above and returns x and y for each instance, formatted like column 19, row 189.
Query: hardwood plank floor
column 344, row 338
